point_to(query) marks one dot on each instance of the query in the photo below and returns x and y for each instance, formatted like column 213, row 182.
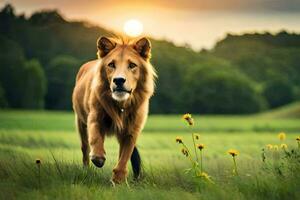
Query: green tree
column 3, row 101
column 11, row 71
column 216, row 87
column 171, row 63
column 35, row 85
column 61, row 74
column 23, row 82
column 278, row 92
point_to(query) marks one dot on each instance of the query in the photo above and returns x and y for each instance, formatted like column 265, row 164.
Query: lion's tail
column 136, row 163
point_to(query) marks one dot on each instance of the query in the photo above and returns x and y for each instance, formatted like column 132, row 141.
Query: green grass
column 62, row 121
column 288, row 111
column 50, row 136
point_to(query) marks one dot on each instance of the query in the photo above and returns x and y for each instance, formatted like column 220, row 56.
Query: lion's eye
column 112, row 64
column 132, row 65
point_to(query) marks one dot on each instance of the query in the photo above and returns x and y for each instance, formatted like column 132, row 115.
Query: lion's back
column 82, row 88
column 85, row 69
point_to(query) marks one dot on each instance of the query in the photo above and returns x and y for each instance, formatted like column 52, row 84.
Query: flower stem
column 235, row 167
column 191, row 159
column 195, row 147
column 189, row 153
column 39, row 171
column 201, row 166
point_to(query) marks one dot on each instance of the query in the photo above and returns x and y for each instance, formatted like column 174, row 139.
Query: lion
column 111, row 97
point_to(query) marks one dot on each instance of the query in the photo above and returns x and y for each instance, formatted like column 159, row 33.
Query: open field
column 50, row 136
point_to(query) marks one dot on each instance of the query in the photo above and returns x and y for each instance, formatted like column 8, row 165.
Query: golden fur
column 98, row 114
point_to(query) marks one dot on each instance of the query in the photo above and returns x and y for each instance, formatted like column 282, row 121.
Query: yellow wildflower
column 283, row 146
column 298, row 138
column 269, row 146
column 188, row 117
column 233, row 152
column 275, row 147
column 197, row 136
column 282, row 136
column 200, row 146
column 38, row 161
column 179, row 140
column 185, row 152
column 204, row 175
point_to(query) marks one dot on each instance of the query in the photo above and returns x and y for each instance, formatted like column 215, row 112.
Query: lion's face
column 123, row 71
column 123, row 65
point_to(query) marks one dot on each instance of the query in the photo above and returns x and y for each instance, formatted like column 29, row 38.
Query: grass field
column 50, row 136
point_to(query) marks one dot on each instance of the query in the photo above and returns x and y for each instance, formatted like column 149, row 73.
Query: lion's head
column 125, row 67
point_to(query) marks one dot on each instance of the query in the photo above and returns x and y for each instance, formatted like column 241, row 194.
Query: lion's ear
column 104, row 46
column 143, row 47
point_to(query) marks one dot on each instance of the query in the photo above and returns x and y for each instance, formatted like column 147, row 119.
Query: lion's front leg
column 96, row 140
column 127, row 143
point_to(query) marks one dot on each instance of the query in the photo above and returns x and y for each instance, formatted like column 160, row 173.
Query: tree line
column 41, row 54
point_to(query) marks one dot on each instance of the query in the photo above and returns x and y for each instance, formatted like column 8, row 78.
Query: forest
column 249, row 73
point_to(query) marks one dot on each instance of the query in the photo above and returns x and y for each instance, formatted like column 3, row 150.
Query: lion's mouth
column 119, row 89
column 121, row 94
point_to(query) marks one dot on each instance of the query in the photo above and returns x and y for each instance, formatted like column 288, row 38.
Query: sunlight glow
column 133, row 28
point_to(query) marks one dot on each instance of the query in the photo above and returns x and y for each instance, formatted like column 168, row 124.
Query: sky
column 197, row 23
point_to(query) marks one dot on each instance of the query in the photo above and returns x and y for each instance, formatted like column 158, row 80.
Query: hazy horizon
column 199, row 27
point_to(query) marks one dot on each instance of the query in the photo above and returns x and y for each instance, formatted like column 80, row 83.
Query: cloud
column 251, row 5
column 198, row 5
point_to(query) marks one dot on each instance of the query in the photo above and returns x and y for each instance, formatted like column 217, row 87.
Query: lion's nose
column 119, row 81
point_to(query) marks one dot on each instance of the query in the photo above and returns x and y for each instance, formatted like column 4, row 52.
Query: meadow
column 51, row 137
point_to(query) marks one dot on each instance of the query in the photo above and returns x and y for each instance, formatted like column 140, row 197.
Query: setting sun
column 133, row 28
